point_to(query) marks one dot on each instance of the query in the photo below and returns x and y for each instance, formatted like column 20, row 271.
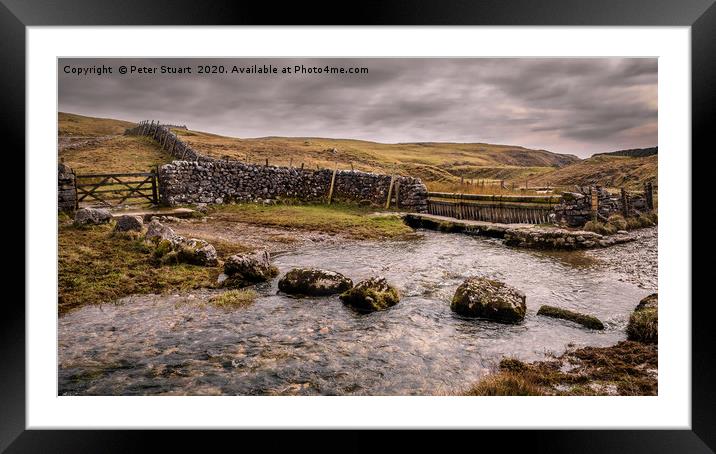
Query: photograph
column 323, row 226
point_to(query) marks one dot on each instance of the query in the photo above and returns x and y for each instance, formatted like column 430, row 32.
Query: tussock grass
column 505, row 384
column 626, row 369
column 233, row 299
column 601, row 228
column 644, row 325
column 351, row 220
column 98, row 266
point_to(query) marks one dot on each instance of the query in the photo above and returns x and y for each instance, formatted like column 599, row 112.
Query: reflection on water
column 178, row 344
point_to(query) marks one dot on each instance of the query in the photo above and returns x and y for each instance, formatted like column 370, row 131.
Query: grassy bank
column 626, row 369
column 349, row 220
column 95, row 266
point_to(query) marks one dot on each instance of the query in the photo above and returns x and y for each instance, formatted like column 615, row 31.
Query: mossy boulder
column 245, row 269
column 313, row 282
column 587, row 321
column 157, row 232
column 644, row 321
column 177, row 249
column 196, row 252
column 374, row 294
column 92, row 216
column 485, row 298
column 127, row 223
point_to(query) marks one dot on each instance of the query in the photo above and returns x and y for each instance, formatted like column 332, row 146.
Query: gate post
column 155, row 180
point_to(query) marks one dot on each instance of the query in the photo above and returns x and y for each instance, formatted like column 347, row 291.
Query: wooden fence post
column 649, row 195
column 333, row 182
column 595, row 202
column 625, row 203
column 390, row 190
column 155, row 184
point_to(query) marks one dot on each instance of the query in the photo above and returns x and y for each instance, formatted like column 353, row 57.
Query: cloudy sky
column 577, row 106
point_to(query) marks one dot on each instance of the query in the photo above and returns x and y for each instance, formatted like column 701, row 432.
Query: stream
column 179, row 344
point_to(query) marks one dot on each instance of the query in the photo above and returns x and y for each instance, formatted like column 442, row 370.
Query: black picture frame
column 700, row 15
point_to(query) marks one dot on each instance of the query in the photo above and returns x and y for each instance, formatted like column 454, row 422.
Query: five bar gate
column 493, row 208
column 111, row 189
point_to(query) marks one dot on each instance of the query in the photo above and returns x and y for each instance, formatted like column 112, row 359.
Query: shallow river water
column 178, row 344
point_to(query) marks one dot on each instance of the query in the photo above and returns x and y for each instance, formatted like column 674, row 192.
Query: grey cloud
column 579, row 106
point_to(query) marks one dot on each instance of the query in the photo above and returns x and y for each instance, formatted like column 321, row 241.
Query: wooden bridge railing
column 493, row 208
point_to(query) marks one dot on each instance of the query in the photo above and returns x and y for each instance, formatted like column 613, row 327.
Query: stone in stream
column 587, row 321
column 244, row 269
column 313, row 282
column 493, row 300
column 92, row 216
column 127, row 223
column 374, row 294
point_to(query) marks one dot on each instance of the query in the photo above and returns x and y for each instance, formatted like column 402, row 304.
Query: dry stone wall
column 191, row 182
column 168, row 140
column 66, row 191
column 575, row 209
column 196, row 178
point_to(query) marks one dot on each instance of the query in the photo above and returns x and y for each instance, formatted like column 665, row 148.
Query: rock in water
column 158, row 232
column 126, row 223
column 313, row 282
column 564, row 314
column 485, row 298
column 374, row 294
column 92, row 216
column 245, row 269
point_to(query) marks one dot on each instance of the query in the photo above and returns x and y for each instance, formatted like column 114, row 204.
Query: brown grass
column 79, row 125
column 350, row 220
column 505, row 384
column 607, row 171
column 625, row 369
column 121, row 154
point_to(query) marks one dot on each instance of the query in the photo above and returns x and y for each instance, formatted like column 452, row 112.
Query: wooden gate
column 113, row 189
column 504, row 209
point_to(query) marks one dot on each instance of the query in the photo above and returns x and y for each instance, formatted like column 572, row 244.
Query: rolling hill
column 80, row 126
column 96, row 144
column 91, row 144
column 434, row 162
column 632, row 153
column 608, row 170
